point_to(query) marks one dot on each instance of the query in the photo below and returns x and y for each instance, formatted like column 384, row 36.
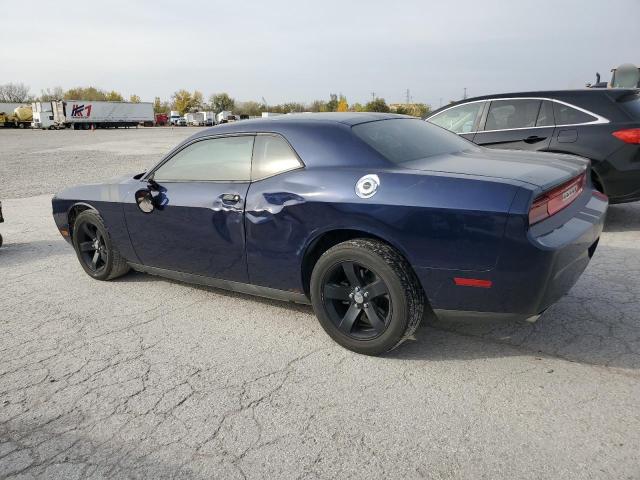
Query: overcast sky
column 298, row 50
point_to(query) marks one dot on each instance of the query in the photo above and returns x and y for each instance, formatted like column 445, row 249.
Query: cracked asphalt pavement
column 148, row 378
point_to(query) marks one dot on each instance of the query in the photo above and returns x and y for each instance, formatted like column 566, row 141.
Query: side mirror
column 145, row 201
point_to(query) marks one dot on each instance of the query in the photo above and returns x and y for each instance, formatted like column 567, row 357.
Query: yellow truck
column 20, row 117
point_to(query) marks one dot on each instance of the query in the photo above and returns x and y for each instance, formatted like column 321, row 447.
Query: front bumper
column 532, row 272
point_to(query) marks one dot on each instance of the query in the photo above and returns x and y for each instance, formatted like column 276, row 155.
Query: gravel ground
column 148, row 378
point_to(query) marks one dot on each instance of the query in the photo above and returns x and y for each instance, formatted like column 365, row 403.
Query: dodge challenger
column 373, row 219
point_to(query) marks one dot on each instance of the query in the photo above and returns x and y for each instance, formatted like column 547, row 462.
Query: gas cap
column 367, row 186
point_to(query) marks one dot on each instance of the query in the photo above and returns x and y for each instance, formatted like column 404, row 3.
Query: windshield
column 402, row 140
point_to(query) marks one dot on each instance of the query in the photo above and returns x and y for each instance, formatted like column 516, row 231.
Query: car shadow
column 596, row 323
column 623, row 218
column 19, row 253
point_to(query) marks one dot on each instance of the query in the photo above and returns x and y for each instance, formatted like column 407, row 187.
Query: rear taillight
column 630, row 135
column 551, row 202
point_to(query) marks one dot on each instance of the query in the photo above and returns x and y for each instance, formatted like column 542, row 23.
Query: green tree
column 377, row 105
column 357, row 107
column 182, row 101
column 222, row 101
column 160, row 106
column 292, row 107
column 253, row 109
column 197, row 101
column 318, row 106
column 85, row 93
column 114, row 96
column 332, row 104
column 134, row 98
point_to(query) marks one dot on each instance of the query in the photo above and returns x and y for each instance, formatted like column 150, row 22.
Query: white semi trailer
column 86, row 114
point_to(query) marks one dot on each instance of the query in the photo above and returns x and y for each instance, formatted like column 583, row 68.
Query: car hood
column 543, row 170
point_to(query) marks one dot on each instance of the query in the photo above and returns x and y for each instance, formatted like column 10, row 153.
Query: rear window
column 566, row 115
column 405, row 140
column 631, row 105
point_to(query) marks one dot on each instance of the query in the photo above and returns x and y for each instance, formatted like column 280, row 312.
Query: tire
column 366, row 296
column 103, row 262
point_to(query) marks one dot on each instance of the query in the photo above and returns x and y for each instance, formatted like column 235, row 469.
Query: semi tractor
column 85, row 114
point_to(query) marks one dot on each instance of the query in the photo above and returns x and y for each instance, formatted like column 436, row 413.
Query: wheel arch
column 75, row 210
column 326, row 239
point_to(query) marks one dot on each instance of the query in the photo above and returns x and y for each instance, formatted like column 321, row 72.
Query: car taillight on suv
column 630, row 135
column 551, row 202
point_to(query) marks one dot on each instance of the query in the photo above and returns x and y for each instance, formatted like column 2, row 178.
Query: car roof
column 269, row 124
column 585, row 93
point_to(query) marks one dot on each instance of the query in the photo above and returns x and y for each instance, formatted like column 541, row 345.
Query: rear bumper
column 532, row 272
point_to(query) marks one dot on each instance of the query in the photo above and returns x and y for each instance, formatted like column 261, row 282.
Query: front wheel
column 366, row 296
column 98, row 255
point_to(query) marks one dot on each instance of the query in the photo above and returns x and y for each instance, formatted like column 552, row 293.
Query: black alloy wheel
column 357, row 300
column 98, row 255
column 366, row 296
column 92, row 247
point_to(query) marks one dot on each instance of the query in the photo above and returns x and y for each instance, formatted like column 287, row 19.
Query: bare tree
column 14, row 92
column 55, row 93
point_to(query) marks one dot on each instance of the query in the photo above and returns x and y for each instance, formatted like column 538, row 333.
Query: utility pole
column 373, row 96
column 408, row 96
column 465, row 93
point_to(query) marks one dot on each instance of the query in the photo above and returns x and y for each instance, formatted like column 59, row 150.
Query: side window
column 272, row 155
column 460, row 119
column 566, row 115
column 222, row 159
column 508, row 114
column 545, row 117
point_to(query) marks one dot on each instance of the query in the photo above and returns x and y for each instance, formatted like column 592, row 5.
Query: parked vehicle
column 225, row 117
column 209, row 119
column 42, row 116
column 196, row 119
column 602, row 125
column 174, row 116
column 20, row 117
column 180, row 122
column 83, row 115
column 368, row 217
column 162, row 119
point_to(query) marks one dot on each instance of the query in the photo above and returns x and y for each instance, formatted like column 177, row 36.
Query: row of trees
column 20, row 93
column 184, row 101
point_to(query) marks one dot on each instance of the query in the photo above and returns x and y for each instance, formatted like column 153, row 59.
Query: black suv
column 602, row 125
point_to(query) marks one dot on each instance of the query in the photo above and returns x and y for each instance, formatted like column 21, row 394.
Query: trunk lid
column 544, row 170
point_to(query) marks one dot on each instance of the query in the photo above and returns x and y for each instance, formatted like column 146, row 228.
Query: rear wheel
column 98, row 255
column 366, row 296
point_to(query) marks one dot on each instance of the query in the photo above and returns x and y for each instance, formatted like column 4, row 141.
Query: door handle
column 230, row 198
column 534, row 139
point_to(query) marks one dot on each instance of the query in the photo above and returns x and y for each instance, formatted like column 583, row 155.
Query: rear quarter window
column 405, row 140
column 566, row 115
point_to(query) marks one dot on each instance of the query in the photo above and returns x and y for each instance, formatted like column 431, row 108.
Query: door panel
column 197, row 227
column 526, row 139
column 519, row 124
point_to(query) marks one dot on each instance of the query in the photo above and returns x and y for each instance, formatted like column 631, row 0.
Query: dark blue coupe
column 371, row 218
